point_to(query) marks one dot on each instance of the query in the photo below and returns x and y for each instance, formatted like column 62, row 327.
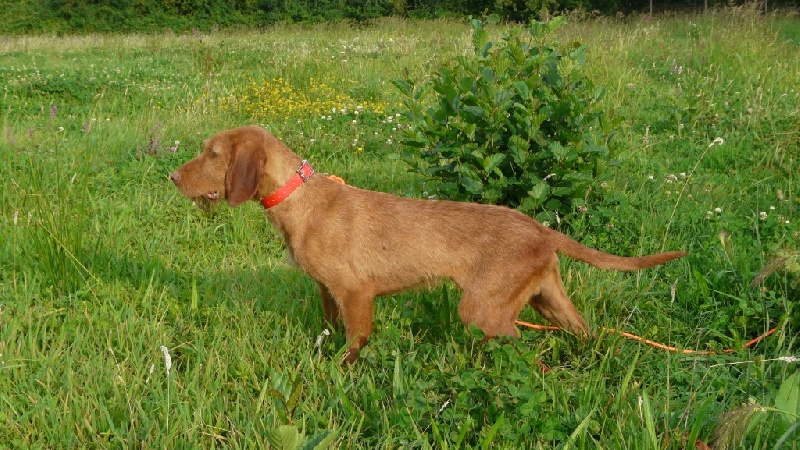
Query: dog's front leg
column 355, row 308
column 329, row 308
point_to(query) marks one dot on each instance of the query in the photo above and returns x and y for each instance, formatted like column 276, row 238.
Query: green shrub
column 517, row 124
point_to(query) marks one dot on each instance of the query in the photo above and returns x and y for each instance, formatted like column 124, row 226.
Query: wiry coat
column 358, row 244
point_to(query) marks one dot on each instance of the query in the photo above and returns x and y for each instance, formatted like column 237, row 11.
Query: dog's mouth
column 207, row 200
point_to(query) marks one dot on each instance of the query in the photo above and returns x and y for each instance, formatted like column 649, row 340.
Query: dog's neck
column 301, row 176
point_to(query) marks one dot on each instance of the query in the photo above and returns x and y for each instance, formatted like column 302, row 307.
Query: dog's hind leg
column 553, row 304
column 492, row 305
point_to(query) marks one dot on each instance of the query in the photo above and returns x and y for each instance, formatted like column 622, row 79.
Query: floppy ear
column 246, row 168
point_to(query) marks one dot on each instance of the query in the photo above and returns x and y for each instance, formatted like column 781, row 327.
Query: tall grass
column 103, row 262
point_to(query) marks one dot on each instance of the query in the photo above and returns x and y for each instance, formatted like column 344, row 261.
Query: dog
column 359, row 244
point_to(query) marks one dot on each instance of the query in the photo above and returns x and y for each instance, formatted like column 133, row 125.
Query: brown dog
column 358, row 244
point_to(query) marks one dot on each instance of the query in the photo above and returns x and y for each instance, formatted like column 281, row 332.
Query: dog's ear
column 246, row 168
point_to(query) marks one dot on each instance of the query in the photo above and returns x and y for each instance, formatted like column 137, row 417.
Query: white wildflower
column 152, row 368
column 717, row 141
column 641, row 401
column 321, row 337
column 788, row 359
column 167, row 359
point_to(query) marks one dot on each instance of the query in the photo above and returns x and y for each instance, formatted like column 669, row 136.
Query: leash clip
column 301, row 171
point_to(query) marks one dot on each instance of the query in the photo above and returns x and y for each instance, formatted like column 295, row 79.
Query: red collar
column 302, row 175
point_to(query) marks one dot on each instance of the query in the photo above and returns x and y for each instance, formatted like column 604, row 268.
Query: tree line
column 86, row 16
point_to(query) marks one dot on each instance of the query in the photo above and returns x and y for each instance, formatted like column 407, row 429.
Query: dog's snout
column 175, row 176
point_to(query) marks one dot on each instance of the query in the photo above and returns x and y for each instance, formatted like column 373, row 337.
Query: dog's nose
column 175, row 176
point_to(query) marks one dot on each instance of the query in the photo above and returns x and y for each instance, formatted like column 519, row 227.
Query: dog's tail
column 566, row 245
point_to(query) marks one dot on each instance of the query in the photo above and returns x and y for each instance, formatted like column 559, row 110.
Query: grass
column 103, row 262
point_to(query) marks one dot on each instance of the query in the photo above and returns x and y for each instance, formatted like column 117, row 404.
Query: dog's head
column 230, row 167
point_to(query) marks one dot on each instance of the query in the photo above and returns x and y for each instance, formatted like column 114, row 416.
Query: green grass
column 103, row 261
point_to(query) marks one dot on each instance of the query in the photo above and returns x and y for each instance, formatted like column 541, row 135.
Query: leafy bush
column 517, row 123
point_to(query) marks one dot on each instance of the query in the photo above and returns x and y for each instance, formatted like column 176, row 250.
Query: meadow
column 130, row 318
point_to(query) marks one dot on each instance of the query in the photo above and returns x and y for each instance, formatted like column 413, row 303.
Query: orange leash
column 653, row 343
